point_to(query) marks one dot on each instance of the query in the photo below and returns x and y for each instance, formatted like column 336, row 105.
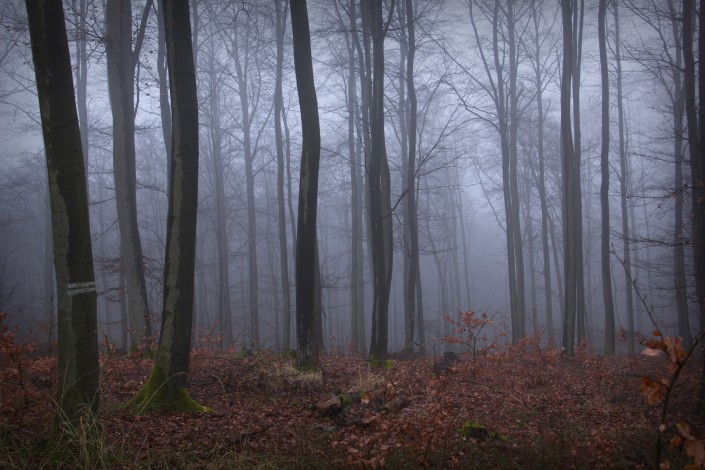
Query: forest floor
column 521, row 407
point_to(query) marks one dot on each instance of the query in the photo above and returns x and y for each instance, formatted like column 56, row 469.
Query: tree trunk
column 379, row 188
column 569, row 173
column 278, row 115
column 80, row 12
column 73, row 258
column 121, row 85
column 307, row 347
column 221, row 235
column 164, row 106
column 243, row 91
column 166, row 386
column 605, row 185
column 624, row 187
column 520, row 314
column 578, row 16
column 539, row 79
column 697, row 165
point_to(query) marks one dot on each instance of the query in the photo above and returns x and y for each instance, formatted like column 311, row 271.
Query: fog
column 462, row 219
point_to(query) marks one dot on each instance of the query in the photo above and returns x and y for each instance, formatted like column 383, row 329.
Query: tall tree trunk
column 221, row 234
column 278, row 115
column 697, row 163
column 569, row 173
column 306, row 252
column 73, row 258
column 243, row 91
column 164, row 106
column 362, row 49
column 166, row 386
column 605, row 185
column 412, row 205
column 121, row 85
column 357, row 293
column 80, row 12
column 409, row 295
column 520, row 313
column 578, row 16
column 539, row 79
column 379, row 188
column 699, row 197
column 624, row 186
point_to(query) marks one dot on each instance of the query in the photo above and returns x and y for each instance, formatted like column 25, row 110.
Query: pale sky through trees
column 462, row 215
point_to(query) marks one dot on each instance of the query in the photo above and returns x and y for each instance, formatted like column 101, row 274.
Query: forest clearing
column 524, row 406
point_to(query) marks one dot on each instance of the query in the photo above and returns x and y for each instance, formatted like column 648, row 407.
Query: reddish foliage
column 536, row 405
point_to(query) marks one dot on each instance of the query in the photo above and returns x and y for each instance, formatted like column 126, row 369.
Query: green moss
column 473, row 430
column 382, row 363
column 289, row 353
column 351, row 398
column 157, row 394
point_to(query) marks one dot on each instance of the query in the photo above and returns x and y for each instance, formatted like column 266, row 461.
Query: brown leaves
column 652, row 389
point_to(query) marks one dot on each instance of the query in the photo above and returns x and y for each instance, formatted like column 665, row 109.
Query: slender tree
column 605, row 184
column 166, row 386
column 280, row 18
column 122, row 61
column 68, row 195
column 623, row 183
column 378, row 177
column 306, row 252
column 569, row 173
column 412, row 207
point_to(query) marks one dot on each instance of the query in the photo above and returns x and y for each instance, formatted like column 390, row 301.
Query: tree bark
column 247, row 114
column 73, row 258
column 166, row 386
column 624, row 187
column 377, row 168
column 539, row 79
column 281, row 214
column 307, row 347
column 221, row 234
column 607, row 296
column 578, row 16
column 121, row 86
column 569, row 173
column 412, row 206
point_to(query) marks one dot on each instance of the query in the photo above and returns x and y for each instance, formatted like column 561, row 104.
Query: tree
column 306, row 251
column 216, row 140
column 697, row 162
column 280, row 18
column 411, row 204
column 624, row 184
column 539, row 61
column 578, row 18
column 502, row 90
column 73, row 258
column 122, row 61
column 605, row 184
column 379, row 182
column 166, row 386
column 569, row 215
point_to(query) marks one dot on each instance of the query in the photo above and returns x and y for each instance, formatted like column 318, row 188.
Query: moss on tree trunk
column 158, row 393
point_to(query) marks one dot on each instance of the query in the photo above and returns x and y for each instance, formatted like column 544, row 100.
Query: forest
column 352, row 233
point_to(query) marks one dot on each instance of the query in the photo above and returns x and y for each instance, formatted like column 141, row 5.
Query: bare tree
column 306, row 250
column 122, row 61
column 166, row 386
column 379, row 184
column 605, row 184
column 68, row 194
column 569, row 215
